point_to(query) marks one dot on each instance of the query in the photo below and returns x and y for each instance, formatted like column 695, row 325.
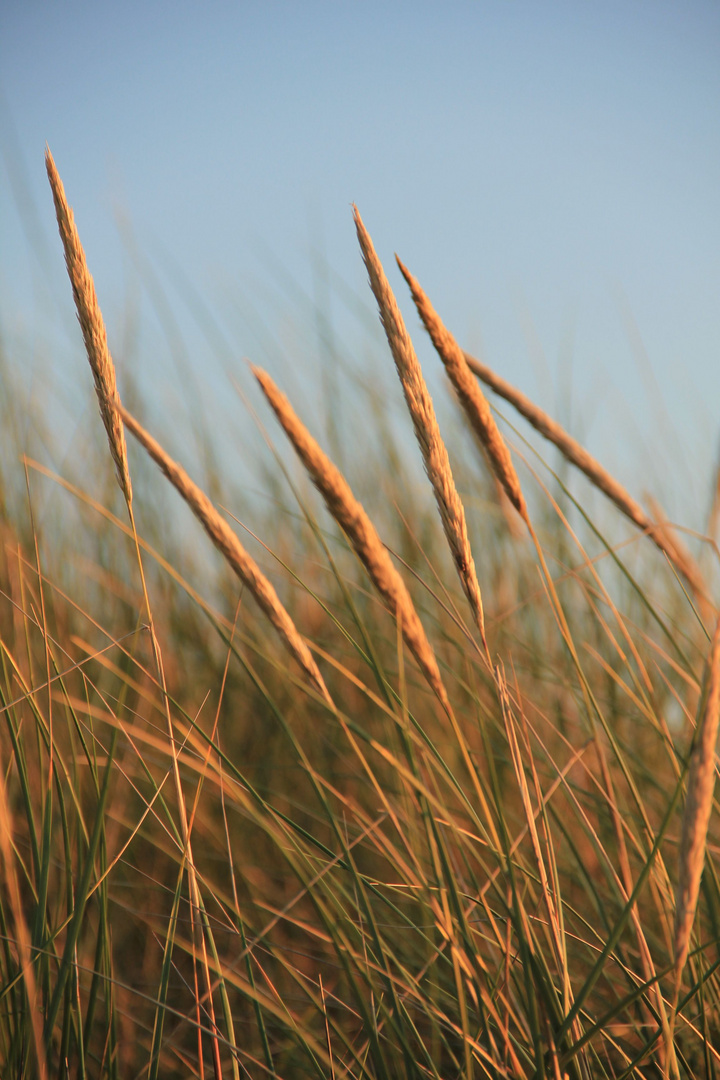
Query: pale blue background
column 550, row 171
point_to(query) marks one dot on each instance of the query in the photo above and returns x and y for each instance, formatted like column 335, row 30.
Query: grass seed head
column 93, row 328
column 427, row 430
column 360, row 531
column 471, row 396
column 233, row 551
column 578, row 456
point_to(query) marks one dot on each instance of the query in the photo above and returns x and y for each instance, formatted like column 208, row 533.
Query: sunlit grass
column 351, row 878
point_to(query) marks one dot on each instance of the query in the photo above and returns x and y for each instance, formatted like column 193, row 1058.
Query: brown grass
column 357, row 526
column 93, row 328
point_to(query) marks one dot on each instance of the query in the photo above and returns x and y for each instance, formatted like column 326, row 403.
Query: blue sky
column 550, row 172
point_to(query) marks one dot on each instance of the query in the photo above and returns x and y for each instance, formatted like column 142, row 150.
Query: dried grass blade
column 233, row 551
column 93, row 328
column 698, row 806
column 471, row 397
column 353, row 519
column 427, row 430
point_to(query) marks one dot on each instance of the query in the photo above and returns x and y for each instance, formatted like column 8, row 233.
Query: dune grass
column 402, row 794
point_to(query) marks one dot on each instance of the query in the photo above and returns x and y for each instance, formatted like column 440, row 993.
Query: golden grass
column 232, row 550
column 427, row 430
column 22, row 933
column 385, row 895
column 577, row 455
column 698, row 807
column 471, row 397
column 93, row 328
column 103, row 369
column 360, row 531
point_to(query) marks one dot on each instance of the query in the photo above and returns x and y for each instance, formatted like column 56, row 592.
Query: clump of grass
column 212, row 865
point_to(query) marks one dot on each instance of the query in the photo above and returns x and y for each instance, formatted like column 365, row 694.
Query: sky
column 549, row 171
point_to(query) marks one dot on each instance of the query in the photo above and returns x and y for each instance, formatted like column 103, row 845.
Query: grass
column 400, row 794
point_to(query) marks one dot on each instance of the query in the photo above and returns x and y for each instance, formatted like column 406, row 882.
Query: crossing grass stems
column 436, row 833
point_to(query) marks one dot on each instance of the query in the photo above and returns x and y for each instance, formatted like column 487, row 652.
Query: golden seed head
column 93, row 328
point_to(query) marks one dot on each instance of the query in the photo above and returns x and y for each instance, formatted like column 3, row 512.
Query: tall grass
column 401, row 794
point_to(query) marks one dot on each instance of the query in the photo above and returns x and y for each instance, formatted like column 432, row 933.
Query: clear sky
column 549, row 171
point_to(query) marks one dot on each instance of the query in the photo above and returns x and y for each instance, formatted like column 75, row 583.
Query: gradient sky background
column 550, row 172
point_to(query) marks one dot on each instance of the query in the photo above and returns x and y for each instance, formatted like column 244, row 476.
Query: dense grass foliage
column 212, row 867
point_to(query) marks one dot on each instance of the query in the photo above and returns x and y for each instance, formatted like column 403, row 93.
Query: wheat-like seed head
column 233, row 551
column 427, row 431
column 599, row 476
column 470, row 395
column 360, row 531
column 93, row 328
column 698, row 805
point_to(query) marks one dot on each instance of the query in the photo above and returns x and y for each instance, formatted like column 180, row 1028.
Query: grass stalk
column 362, row 534
column 577, row 455
column 427, row 430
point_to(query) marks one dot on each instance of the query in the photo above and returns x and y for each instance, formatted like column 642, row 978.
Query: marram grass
column 414, row 798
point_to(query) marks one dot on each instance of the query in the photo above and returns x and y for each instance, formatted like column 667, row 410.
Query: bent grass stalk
column 427, row 430
column 458, row 365
column 353, row 519
column 577, row 455
column 227, row 543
